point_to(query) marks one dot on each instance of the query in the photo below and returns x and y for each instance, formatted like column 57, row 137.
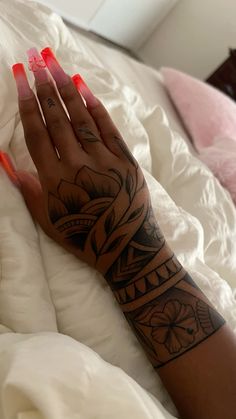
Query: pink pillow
column 206, row 112
column 221, row 159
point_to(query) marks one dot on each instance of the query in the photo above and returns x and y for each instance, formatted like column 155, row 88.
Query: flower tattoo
column 175, row 326
column 78, row 205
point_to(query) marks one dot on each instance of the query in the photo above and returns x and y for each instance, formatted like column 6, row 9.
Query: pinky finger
column 109, row 132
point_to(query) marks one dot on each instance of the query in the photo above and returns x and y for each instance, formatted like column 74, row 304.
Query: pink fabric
column 210, row 118
column 206, row 112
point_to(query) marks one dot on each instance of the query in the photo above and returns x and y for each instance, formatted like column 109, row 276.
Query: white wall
column 194, row 37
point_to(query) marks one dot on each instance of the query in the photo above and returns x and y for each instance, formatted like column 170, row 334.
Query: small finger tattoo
column 50, row 102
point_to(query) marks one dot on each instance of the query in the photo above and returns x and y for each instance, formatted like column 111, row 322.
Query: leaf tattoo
column 158, row 297
column 129, row 184
column 117, row 173
column 126, row 151
column 88, row 135
column 109, row 222
column 135, row 214
column 115, row 243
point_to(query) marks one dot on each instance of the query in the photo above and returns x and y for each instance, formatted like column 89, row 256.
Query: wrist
column 152, row 279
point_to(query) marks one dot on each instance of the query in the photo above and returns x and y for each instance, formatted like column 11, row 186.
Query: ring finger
column 58, row 124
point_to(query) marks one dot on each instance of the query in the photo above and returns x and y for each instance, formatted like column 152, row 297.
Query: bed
column 65, row 349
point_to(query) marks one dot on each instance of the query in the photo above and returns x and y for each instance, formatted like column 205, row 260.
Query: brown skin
column 104, row 217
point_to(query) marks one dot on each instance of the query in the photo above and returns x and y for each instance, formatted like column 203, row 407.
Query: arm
column 187, row 341
column 93, row 200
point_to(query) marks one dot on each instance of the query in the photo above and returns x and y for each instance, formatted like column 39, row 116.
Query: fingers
column 109, row 133
column 57, row 122
column 36, row 135
column 90, row 124
column 83, row 124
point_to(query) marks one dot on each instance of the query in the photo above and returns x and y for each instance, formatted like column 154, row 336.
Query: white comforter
column 44, row 290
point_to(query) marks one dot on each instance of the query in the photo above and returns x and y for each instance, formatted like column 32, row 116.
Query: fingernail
column 37, row 66
column 8, row 167
column 22, row 84
column 90, row 99
column 57, row 72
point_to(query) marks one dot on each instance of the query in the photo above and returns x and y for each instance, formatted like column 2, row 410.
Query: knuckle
column 33, row 133
column 68, row 92
column 49, row 180
column 57, row 124
column 33, row 136
column 45, row 90
column 74, row 163
column 82, row 127
column 99, row 112
column 28, row 107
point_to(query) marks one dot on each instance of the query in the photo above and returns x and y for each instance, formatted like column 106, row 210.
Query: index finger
column 37, row 138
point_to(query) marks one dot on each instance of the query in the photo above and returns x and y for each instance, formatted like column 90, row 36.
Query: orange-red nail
column 8, row 167
column 22, row 84
column 82, row 87
column 57, row 72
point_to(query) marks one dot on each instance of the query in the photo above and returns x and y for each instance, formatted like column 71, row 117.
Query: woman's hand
column 92, row 197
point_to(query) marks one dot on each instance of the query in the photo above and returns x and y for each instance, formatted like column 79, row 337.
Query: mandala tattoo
column 109, row 216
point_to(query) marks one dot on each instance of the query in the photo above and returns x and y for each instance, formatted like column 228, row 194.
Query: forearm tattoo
column 109, row 217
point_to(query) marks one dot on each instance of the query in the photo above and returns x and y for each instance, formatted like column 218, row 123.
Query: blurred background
column 191, row 35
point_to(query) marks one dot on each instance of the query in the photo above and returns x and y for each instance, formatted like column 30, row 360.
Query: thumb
column 33, row 195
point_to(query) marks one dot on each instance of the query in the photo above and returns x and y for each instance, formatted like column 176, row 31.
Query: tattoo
column 126, row 151
column 88, row 135
column 50, row 102
column 36, row 63
column 174, row 321
column 108, row 217
column 78, row 206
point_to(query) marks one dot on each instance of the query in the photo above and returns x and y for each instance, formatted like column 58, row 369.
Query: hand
column 91, row 196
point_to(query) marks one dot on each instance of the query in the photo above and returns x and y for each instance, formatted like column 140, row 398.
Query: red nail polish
column 22, row 84
column 8, row 167
column 82, row 87
column 37, row 66
column 57, row 72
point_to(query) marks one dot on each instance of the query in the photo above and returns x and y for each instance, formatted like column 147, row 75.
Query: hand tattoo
column 50, row 102
column 109, row 217
column 88, row 135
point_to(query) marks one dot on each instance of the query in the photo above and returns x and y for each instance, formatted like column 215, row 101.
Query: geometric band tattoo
column 108, row 216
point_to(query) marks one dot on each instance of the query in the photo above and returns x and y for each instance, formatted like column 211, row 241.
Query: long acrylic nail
column 82, row 87
column 37, row 66
column 8, row 167
column 22, row 84
column 57, row 72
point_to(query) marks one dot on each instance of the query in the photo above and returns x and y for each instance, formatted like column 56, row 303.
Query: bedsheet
column 143, row 79
column 45, row 289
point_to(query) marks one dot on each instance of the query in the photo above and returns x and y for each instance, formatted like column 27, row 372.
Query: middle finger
column 58, row 124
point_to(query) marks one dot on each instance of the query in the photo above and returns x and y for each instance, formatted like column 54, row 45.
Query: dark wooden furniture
column 224, row 78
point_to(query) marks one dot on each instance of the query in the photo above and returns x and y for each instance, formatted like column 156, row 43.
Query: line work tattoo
column 50, row 102
column 88, row 135
column 108, row 216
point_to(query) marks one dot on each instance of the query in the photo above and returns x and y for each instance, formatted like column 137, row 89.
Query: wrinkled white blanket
column 44, row 289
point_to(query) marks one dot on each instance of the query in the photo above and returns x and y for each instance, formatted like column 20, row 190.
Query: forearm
column 180, row 331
